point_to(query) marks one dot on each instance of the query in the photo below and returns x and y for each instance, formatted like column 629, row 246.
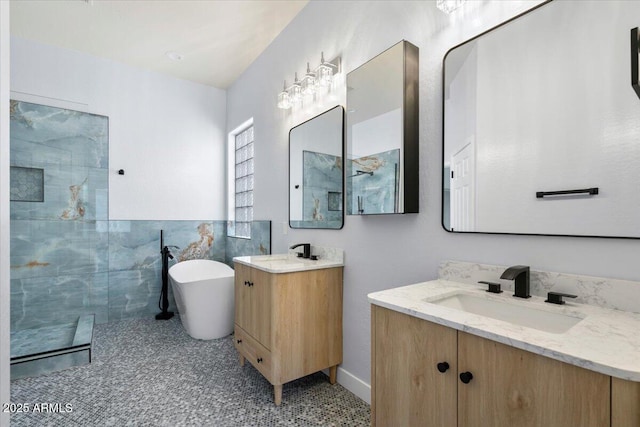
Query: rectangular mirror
column 316, row 177
column 541, row 130
column 382, row 134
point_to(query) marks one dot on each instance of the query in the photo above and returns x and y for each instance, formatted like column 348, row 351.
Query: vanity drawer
column 253, row 351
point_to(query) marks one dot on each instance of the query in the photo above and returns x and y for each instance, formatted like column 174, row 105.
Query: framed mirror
column 382, row 134
column 541, row 129
column 316, row 174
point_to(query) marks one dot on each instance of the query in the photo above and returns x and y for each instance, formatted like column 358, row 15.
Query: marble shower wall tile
column 135, row 294
column 135, row 245
column 259, row 244
column 43, row 248
column 79, row 137
column 70, row 193
column 51, row 300
column 72, row 149
column 47, row 338
column 135, row 262
column 602, row 292
column 321, row 190
column 378, row 191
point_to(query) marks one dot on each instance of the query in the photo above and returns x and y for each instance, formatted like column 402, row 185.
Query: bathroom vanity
column 440, row 363
column 288, row 316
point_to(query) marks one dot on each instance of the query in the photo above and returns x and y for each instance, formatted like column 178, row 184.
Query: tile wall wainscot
column 258, row 244
column 63, row 269
column 607, row 293
column 135, row 263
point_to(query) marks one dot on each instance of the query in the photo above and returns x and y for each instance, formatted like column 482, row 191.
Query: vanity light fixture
column 319, row 80
column 284, row 100
column 448, row 6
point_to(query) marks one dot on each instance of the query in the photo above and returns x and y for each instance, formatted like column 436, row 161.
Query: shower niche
column 382, row 134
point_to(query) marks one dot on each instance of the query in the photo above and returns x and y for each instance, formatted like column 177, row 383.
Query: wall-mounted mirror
column 316, row 174
column 541, row 128
column 382, row 133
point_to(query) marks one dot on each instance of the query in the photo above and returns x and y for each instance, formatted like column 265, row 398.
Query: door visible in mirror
column 316, row 173
column 541, row 130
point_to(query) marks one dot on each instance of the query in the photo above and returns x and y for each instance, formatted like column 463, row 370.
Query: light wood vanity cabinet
column 288, row 325
column 510, row 387
column 405, row 355
column 513, row 387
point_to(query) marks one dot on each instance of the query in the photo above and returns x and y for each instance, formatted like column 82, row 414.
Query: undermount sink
column 530, row 317
column 277, row 261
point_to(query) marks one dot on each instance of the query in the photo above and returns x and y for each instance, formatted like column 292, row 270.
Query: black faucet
column 306, row 249
column 519, row 273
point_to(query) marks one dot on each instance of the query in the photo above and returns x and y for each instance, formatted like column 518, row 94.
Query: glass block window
column 244, row 183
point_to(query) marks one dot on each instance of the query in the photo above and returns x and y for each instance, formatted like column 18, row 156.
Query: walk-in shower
column 59, row 256
column 71, row 265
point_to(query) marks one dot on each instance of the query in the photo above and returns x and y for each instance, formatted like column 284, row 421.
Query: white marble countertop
column 605, row 340
column 286, row 263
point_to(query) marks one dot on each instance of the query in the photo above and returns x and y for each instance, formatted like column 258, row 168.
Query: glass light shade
column 284, row 100
column 448, row 6
column 309, row 82
column 325, row 75
column 295, row 92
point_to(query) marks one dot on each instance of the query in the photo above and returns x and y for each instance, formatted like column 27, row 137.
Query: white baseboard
column 354, row 384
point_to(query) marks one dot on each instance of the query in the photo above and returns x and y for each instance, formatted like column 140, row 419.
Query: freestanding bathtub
column 203, row 290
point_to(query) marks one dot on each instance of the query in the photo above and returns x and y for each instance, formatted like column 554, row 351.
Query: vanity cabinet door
column 242, row 296
column 253, row 302
column 408, row 388
column 512, row 387
column 625, row 403
column 261, row 306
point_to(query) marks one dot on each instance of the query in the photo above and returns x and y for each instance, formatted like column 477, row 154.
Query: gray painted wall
column 388, row 251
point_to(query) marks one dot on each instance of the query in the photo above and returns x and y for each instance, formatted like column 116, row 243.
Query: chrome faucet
column 306, row 250
column 520, row 274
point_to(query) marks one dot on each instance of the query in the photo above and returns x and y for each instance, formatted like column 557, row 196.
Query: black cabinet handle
column 250, row 284
column 246, row 283
column 238, row 341
column 465, row 377
column 443, row 366
column 259, row 359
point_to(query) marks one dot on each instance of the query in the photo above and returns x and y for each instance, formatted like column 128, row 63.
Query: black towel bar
column 591, row 191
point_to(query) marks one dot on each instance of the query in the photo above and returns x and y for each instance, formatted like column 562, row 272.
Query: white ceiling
column 218, row 39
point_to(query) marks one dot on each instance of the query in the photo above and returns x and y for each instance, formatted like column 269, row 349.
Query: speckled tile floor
column 151, row 373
